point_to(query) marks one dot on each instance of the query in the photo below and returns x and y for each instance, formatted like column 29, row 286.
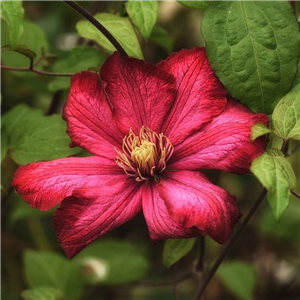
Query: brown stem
column 32, row 69
column 97, row 24
column 200, row 263
column 229, row 245
column 174, row 282
column 295, row 194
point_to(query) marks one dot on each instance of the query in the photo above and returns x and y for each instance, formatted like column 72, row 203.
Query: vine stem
column 229, row 245
column 32, row 69
column 97, row 24
column 295, row 194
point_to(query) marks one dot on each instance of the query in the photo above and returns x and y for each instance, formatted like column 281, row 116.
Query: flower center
column 145, row 155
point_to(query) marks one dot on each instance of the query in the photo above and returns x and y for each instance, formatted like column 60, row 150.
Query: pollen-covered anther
column 144, row 156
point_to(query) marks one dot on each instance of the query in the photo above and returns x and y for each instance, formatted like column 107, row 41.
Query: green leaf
column 162, row 38
column 175, row 249
column 119, row 27
column 253, row 47
column 42, row 293
column 12, row 12
column 20, row 49
column 33, row 39
column 46, row 269
column 284, row 230
column 112, row 261
column 4, row 139
column 239, row 277
column 143, row 14
column 79, row 59
column 259, row 129
column 286, row 115
column 276, row 174
column 195, row 4
column 34, row 137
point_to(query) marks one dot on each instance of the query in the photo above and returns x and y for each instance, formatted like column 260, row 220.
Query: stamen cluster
column 145, row 155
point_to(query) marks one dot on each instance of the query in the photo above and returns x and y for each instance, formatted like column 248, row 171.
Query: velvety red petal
column 89, row 116
column 200, row 95
column 45, row 184
column 141, row 93
column 90, row 213
column 161, row 225
column 195, row 202
column 224, row 143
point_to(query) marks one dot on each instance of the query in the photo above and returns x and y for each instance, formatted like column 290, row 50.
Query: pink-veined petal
column 195, row 202
column 224, row 143
column 141, row 93
column 91, row 213
column 89, row 116
column 160, row 224
column 45, row 184
column 200, row 95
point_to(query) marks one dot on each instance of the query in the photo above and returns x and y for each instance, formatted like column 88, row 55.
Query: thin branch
column 295, row 194
column 32, row 69
column 229, row 245
column 97, row 24
column 174, row 282
column 200, row 263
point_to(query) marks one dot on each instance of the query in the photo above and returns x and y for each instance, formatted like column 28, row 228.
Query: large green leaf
column 4, row 139
column 42, row 293
column 175, row 249
column 79, row 59
column 12, row 12
column 33, row 38
column 253, row 46
column 259, row 129
column 276, row 174
column 113, row 261
column 46, row 269
column 286, row 115
column 162, row 38
column 119, row 27
column 34, row 137
column 195, row 4
column 143, row 15
column 239, row 277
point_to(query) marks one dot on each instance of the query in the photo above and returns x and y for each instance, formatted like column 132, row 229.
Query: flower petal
column 90, row 213
column 45, row 184
column 141, row 93
column 224, row 143
column 195, row 202
column 160, row 224
column 200, row 95
column 89, row 116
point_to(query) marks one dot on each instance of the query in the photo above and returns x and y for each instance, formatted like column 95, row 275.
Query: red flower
column 151, row 128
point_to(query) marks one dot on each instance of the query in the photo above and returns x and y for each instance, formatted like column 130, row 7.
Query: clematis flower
column 151, row 128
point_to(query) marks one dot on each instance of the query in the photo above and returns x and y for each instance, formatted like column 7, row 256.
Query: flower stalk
column 229, row 245
column 98, row 25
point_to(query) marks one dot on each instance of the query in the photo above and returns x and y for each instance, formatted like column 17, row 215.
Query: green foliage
column 81, row 58
column 12, row 12
column 276, row 174
column 195, row 4
column 42, row 293
column 34, row 137
column 46, row 269
column 259, row 129
column 4, row 139
column 239, row 277
column 111, row 261
column 253, row 47
column 143, row 15
column 34, row 39
column 119, row 27
column 20, row 49
column 286, row 115
column 162, row 38
column 284, row 230
column 175, row 249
